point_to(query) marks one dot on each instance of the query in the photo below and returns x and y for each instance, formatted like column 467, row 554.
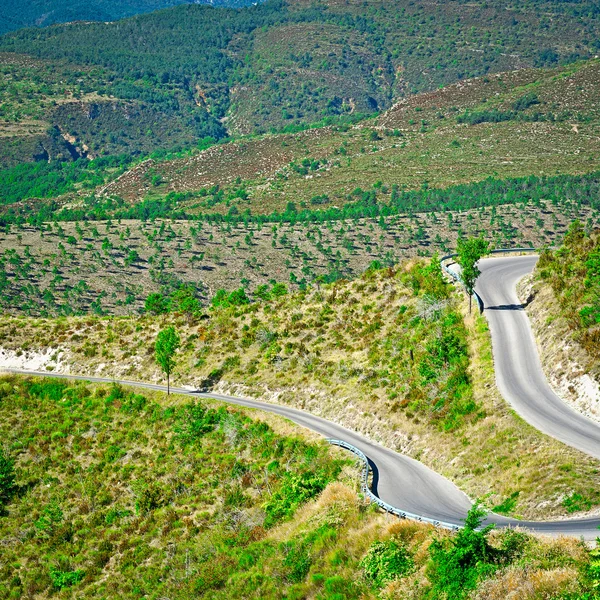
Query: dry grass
column 523, row 583
column 571, row 371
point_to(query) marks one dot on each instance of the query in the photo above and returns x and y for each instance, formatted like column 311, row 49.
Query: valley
column 220, row 238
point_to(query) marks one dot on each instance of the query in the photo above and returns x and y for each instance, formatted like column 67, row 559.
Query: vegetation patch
column 210, row 503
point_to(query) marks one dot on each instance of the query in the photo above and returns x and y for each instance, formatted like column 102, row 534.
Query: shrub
column 7, row 478
column 65, row 579
column 236, row 298
column 295, row 490
column 156, row 304
column 297, row 560
column 149, row 497
column 576, row 502
column 457, row 565
column 526, row 101
column 386, row 561
column 195, row 422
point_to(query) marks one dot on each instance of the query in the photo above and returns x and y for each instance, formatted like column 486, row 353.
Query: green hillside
column 387, row 354
column 275, row 182
column 26, row 13
column 107, row 492
column 274, row 65
column 573, row 272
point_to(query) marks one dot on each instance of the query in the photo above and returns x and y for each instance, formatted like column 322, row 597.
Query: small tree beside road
column 470, row 251
column 167, row 343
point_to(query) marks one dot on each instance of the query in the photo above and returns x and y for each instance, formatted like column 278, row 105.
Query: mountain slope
column 462, row 133
column 124, row 494
column 282, row 64
column 387, row 355
column 28, row 13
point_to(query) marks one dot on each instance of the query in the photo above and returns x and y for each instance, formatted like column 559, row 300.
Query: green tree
column 7, row 478
column 458, row 564
column 184, row 301
column 156, row 304
column 167, row 343
column 470, row 251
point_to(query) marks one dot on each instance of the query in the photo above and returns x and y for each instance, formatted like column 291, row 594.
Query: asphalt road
column 519, row 374
column 401, row 481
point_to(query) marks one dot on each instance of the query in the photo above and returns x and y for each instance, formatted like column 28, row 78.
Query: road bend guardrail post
column 382, row 504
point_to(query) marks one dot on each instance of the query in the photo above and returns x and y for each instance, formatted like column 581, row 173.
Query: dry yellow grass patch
column 525, row 583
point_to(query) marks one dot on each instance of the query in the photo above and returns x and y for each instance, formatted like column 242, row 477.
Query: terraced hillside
column 539, row 122
column 111, row 267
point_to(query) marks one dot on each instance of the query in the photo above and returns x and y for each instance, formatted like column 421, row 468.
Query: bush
column 457, row 565
column 297, row 560
column 156, row 304
column 149, row 498
column 224, row 299
column 295, row 490
column 7, row 478
column 65, row 579
column 195, row 422
column 386, row 561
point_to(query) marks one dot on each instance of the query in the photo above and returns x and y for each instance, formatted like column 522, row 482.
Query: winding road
column 519, row 374
column 410, row 485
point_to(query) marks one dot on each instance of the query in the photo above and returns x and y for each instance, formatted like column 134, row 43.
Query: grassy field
column 112, row 492
column 387, row 354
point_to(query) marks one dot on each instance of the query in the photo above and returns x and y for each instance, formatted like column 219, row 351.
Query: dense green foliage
column 456, row 567
column 387, row 561
column 165, row 500
column 7, row 478
column 22, row 13
column 498, row 116
column 51, row 179
column 339, row 58
column 470, row 251
column 582, row 190
column 573, row 271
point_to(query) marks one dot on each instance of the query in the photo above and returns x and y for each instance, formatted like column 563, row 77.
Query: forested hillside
column 27, row 13
column 272, row 66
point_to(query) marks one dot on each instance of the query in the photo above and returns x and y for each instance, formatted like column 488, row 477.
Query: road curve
column 519, row 373
column 400, row 481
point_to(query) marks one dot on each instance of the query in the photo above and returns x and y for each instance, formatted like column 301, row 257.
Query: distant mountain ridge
column 38, row 13
column 170, row 79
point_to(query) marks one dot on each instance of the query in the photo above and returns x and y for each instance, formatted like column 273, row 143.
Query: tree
column 7, row 478
column 167, row 343
column 470, row 251
column 156, row 304
column 458, row 564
